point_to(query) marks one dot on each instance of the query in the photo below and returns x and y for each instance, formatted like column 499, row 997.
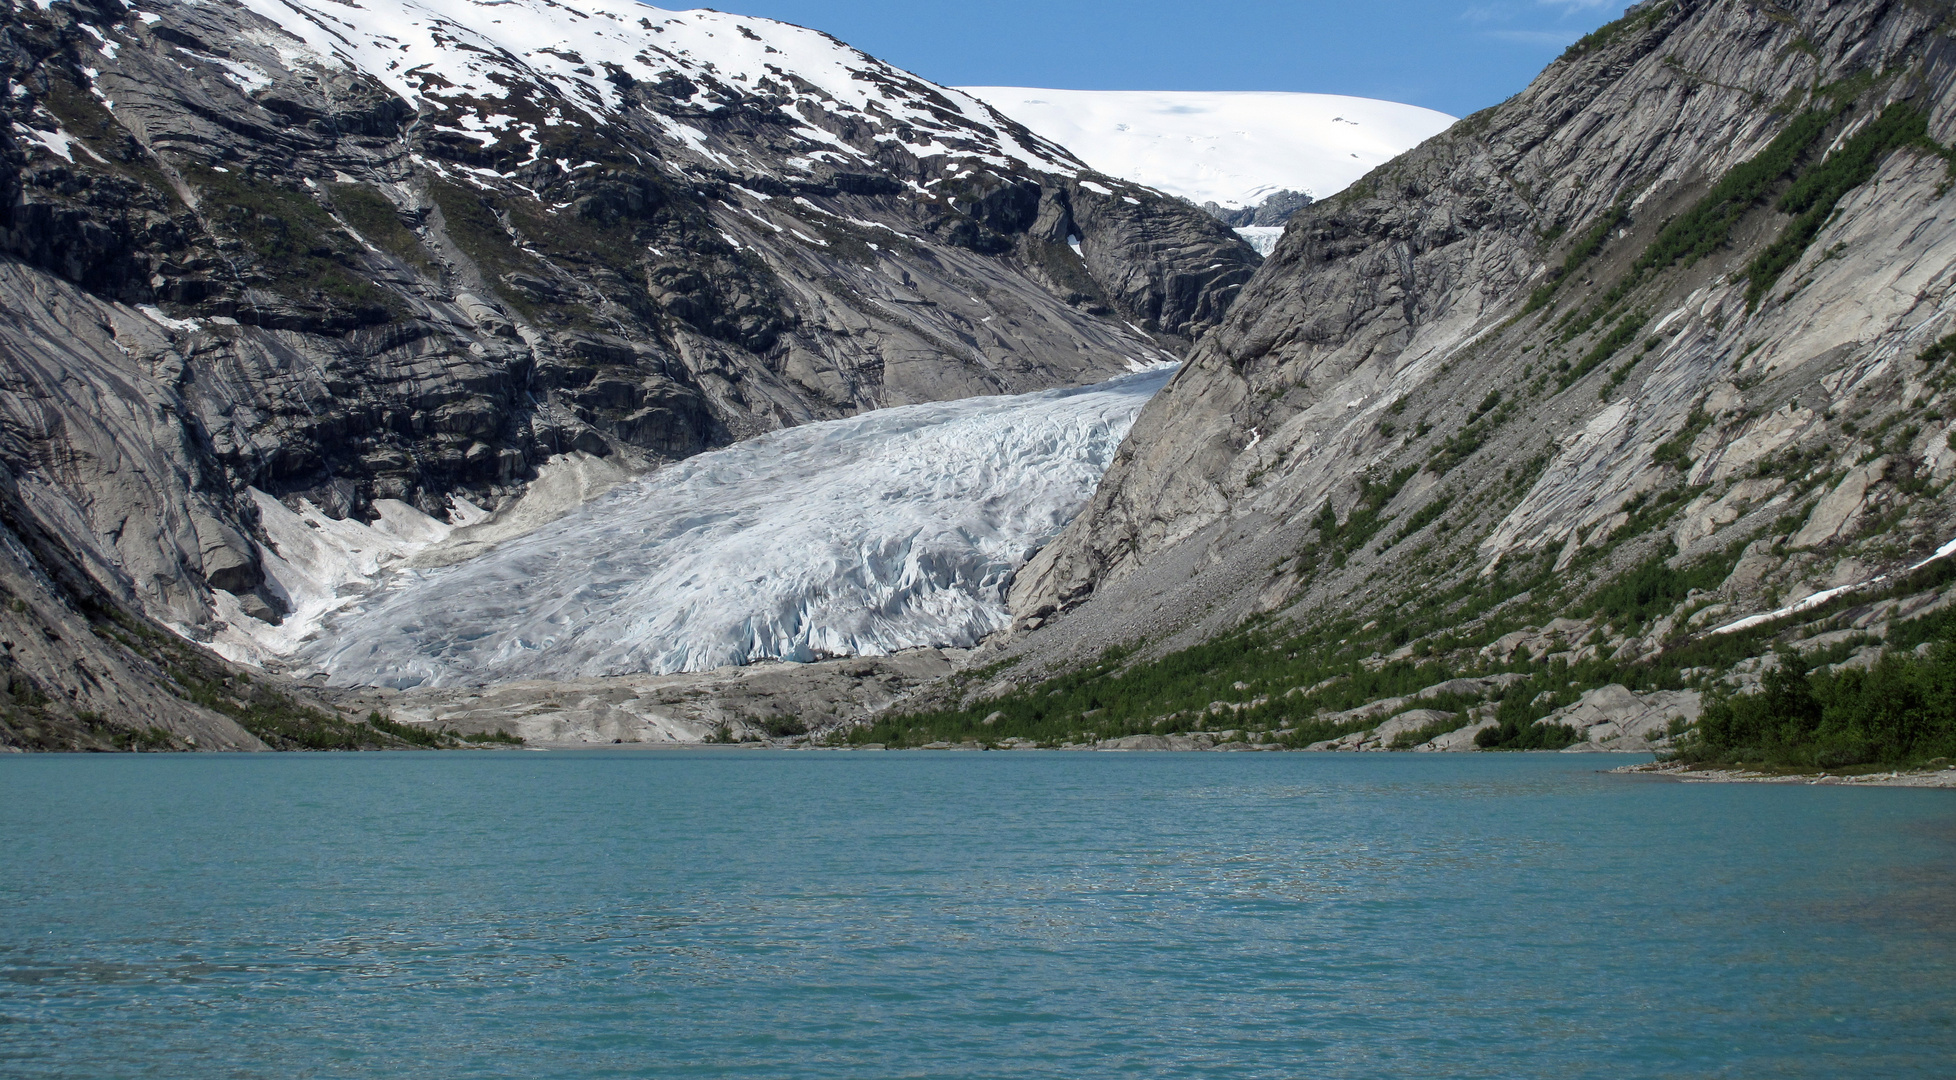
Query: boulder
column 1836, row 514
column 1137, row 742
column 1456, row 741
column 1382, row 736
column 1614, row 717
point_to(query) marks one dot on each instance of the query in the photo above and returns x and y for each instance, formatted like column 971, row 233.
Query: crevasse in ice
column 895, row 529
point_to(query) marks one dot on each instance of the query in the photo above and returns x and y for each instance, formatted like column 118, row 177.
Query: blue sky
column 1453, row 56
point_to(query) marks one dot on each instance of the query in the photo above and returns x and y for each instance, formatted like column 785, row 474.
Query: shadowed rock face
column 1276, row 209
column 253, row 245
column 1549, row 337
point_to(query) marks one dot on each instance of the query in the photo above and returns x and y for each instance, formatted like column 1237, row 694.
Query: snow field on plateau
column 899, row 528
column 1229, row 147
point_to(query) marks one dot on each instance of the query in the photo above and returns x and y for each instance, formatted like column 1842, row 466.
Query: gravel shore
column 1943, row 777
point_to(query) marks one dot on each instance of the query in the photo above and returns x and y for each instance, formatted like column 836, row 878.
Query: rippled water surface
column 755, row 914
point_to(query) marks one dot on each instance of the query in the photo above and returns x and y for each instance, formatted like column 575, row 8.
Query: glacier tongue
column 894, row 529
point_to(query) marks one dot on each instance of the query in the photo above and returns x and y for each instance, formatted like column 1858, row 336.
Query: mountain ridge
column 1595, row 389
column 348, row 258
column 1603, row 404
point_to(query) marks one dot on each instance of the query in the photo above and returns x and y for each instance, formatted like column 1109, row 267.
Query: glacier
column 1261, row 237
column 894, row 529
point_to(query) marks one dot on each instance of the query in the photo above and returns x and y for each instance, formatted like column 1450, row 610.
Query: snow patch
column 249, row 77
column 1808, row 603
column 57, row 141
column 156, row 315
column 319, row 564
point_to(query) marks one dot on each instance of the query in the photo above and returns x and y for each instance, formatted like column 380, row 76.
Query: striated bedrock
column 415, row 249
column 1681, row 297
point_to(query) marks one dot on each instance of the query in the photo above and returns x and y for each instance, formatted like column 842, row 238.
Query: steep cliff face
column 412, row 250
column 1672, row 310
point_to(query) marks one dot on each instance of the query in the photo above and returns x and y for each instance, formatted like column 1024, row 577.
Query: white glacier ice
column 1262, row 237
column 896, row 529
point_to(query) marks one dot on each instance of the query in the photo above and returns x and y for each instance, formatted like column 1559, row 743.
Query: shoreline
column 1941, row 777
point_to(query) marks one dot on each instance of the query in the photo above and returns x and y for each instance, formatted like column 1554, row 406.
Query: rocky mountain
column 1617, row 395
column 1277, row 208
column 401, row 254
column 1630, row 380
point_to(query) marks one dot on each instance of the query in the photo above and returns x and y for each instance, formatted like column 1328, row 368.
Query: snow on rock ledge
column 471, row 64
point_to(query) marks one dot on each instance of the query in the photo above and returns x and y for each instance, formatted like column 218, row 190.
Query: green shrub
column 497, row 736
column 292, row 240
column 1432, row 729
column 1654, row 587
column 783, row 726
column 374, row 217
column 1708, row 225
column 1676, row 450
column 1585, row 247
column 1623, row 334
column 407, row 733
column 1518, row 725
column 1608, row 33
column 1899, row 711
column 1814, row 195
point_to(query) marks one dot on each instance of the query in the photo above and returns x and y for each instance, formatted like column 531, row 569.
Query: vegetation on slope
column 1708, row 225
column 289, row 243
column 1900, row 711
column 274, row 717
column 1278, row 683
column 1283, row 683
column 1586, row 246
column 1633, row 22
column 1814, row 195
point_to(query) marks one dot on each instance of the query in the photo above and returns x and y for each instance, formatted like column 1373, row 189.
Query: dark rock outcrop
column 1277, row 208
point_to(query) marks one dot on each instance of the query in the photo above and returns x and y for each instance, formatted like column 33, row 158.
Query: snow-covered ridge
column 1231, row 148
column 895, row 529
column 477, row 61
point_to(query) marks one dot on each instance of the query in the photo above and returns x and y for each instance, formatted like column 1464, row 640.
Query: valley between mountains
column 435, row 372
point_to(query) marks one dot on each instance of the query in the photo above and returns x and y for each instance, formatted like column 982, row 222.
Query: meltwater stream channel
column 860, row 915
column 895, row 529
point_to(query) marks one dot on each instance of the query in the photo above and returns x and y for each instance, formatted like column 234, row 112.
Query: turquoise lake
column 775, row 914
